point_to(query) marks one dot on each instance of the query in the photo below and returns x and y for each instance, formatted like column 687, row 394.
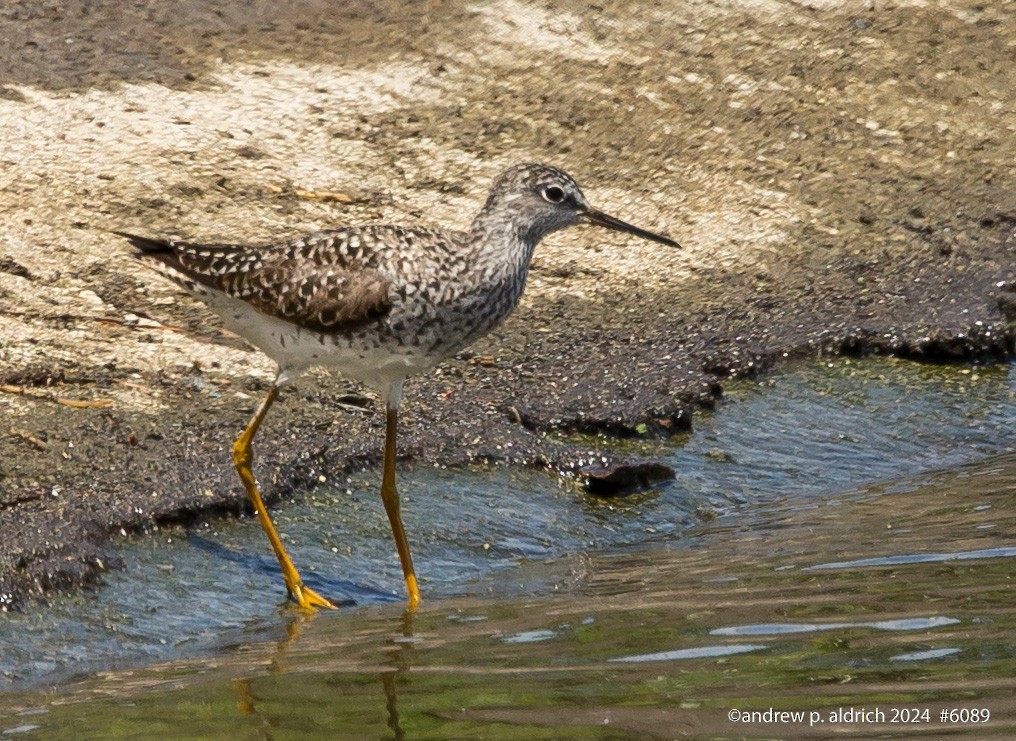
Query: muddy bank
column 842, row 182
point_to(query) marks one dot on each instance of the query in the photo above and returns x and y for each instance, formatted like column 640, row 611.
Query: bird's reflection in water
column 246, row 705
column 392, row 703
column 246, row 700
column 397, row 652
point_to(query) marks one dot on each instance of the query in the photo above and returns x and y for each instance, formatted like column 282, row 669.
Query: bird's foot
column 308, row 599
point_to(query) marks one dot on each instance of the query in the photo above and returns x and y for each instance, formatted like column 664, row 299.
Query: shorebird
column 377, row 302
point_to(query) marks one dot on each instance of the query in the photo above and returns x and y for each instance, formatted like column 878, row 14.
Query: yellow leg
column 390, row 497
column 243, row 456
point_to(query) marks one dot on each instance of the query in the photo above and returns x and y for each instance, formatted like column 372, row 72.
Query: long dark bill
column 601, row 219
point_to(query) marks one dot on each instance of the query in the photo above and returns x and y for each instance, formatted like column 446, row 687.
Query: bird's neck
column 501, row 245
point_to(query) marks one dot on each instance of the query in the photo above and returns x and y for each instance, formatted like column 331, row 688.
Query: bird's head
column 541, row 199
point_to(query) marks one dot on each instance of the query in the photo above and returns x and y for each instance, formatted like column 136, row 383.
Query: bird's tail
column 162, row 255
column 147, row 245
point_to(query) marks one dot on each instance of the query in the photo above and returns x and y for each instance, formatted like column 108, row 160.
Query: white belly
column 358, row 356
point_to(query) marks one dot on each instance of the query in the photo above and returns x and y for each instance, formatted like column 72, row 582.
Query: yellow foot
column 308, row 599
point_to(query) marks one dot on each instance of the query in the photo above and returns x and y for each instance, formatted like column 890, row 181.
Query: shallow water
column 838, row 537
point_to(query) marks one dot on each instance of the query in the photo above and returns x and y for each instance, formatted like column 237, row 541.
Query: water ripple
column 699, row 652
column 1002, row 552
column 765, row 629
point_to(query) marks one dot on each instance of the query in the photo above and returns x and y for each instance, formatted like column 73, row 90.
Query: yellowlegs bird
column 379, row 303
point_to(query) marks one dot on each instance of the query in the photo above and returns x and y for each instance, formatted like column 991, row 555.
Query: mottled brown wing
column 322, row 300
column 278, row 281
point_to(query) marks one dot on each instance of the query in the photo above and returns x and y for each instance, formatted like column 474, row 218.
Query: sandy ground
column 841, row 175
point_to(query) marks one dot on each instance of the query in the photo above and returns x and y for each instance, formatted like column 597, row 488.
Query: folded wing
column 280, row 282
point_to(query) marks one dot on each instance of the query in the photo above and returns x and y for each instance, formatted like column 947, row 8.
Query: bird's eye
column 553, row 194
